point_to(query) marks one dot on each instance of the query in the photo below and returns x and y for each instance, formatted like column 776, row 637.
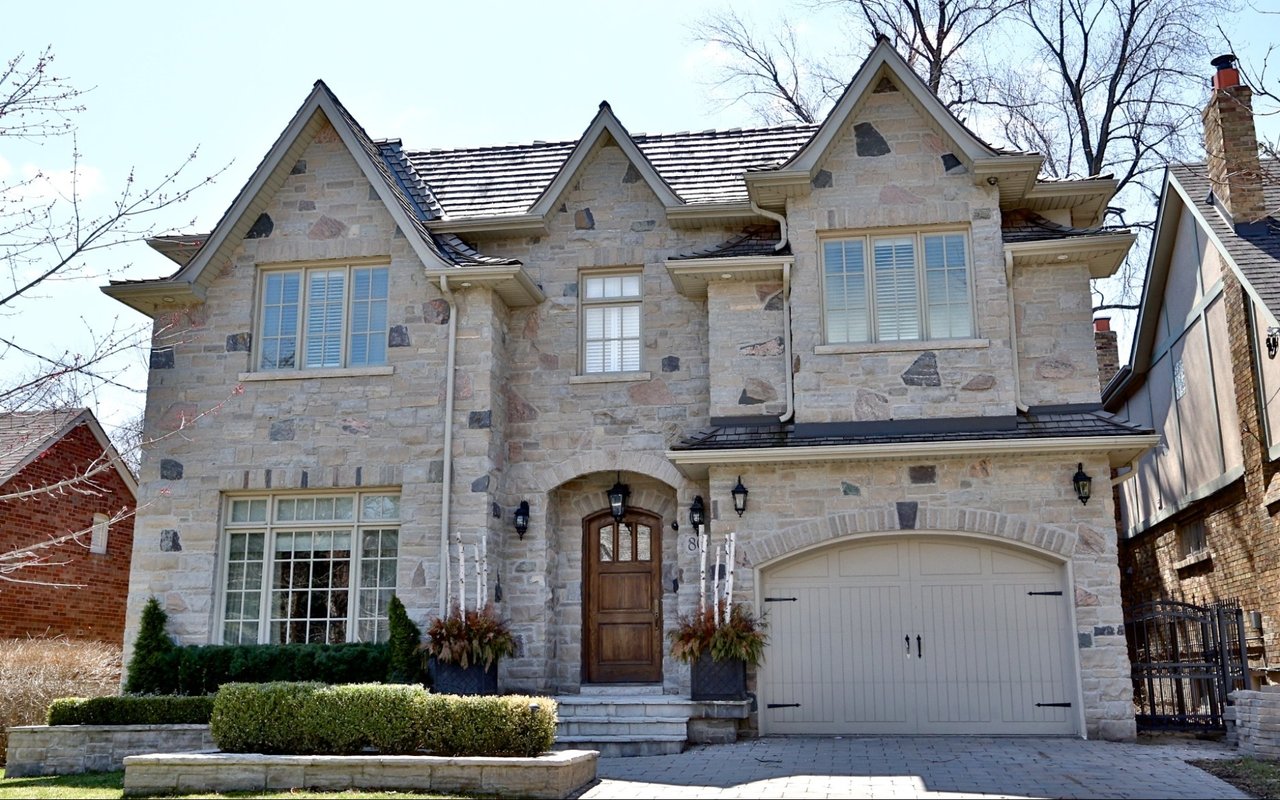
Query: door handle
column 657, row 609
column 907, row 639
column 919, row 651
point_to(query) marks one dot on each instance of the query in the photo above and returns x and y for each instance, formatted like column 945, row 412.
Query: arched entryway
column 930, row 633
column 622, row 597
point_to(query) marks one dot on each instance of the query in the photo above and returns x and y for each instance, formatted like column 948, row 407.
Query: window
column 98, row 539
column 897, row 288
column 1191, row 538
column 611, row 323
column 309, row 568
column 323, row 318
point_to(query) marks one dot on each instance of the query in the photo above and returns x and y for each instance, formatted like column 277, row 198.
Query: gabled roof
column 24, row 435
column 1251, row 251
column 605, row 123
column 407, row 200
column 755, row 240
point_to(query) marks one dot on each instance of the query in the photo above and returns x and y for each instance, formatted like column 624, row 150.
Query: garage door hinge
column 1054, row 594
column 782, row 705
column 1053, row 705
column 781, row 599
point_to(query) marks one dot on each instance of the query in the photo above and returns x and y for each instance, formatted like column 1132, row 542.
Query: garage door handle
column 907, row 638
column 919, row 651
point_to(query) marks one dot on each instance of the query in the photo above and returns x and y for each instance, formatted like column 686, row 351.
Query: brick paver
column 907, row 766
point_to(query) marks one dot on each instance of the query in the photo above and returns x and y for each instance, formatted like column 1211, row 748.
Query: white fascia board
column 514, row 223
column 511, row 281
column 861, row 452
column 148, row 297
column 1085, row 248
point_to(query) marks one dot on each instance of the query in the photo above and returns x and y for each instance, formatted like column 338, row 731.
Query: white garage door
column 918, row 635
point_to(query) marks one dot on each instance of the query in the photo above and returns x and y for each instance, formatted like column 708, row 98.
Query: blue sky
column 226, row 77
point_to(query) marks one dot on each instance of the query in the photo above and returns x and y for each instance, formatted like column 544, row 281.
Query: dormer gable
column 605, row 126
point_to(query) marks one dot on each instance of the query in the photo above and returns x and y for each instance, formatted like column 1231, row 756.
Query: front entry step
column 638, row 720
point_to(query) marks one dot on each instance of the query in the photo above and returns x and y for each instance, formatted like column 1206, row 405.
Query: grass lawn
column 96, row 785
column 1258, row 778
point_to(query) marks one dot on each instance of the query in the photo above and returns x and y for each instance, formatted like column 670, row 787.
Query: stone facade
column 529, row 425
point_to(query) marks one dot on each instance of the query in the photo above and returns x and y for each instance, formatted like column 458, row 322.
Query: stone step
column 613, row 689
column 638, row 728
column 624, row 746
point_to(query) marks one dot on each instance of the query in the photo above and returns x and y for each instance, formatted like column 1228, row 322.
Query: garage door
column 918, row 635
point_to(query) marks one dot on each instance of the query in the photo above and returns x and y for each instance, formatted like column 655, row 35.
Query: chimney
column 1232, row 145
column 1107, row 345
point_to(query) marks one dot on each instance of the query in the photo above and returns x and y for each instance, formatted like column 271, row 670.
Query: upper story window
column 322, row 318
column 611, row 323
column 309, row 567
column 897, row 288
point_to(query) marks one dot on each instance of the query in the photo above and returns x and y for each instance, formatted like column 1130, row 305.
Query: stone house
column 878, row 326
column 1197, row 513
column 63, row 485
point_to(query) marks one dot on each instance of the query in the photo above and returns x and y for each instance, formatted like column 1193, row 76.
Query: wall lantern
column 697, row 512
column 522, row 518
column 618, row 498
column 1273, row 341
column 1083, row 484
column 739, row 493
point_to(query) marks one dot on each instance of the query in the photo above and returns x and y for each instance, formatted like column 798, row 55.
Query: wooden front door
column 623, row 598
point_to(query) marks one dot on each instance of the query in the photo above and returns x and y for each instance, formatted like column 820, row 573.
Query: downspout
column 1013, row 333
column 786, row 311
column 447, row 472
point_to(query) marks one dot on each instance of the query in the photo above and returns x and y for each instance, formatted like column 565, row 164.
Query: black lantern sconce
column 1273, row 342
column 618, row 498
column 739, row 493
column 521, row 518
column 1083, row 484
column 697, row 512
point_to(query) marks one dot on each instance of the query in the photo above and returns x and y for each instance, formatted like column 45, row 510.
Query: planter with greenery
column 719, row 649
column 464, row 648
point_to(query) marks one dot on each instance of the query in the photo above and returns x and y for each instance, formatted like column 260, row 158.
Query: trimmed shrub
column 33, row 672
column 201, row 669
column 310, row 718
column 163, row 709
column 405, row 662
column 513, row 725
column 151, row 668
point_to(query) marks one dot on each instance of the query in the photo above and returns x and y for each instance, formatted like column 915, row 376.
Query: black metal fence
column 1186, row 660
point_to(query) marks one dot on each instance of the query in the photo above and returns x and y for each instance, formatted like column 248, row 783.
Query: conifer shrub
column 404, row 658
column 152, row 667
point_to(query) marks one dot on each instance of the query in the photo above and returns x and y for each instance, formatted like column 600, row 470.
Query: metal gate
column 1186, row 660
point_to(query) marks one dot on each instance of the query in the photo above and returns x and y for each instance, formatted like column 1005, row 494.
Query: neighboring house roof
column 1251, row 251
column 703, row 167
column 25, row 435
column 1023, row 225
column 1069, row 430
column 755, row 240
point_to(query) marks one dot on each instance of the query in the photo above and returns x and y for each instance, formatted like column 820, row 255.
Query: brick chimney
column 1232, row 144
column 1107, row 345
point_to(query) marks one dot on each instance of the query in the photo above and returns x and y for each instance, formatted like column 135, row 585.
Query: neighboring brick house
column 879, row 326
column 62, row 482
column 1197, row 513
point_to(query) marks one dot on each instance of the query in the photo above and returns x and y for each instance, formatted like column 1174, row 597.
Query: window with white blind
column 610, row 323
column 309, row 567
column 897, row 288
column 323, row 318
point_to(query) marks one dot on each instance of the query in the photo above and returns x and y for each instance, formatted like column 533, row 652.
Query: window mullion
column 922, row 289
column 268, row 578
column 873, row 313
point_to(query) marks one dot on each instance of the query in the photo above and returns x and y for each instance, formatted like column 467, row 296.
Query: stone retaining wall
column 70, row 749
column 557, row 774
column 1257, row 722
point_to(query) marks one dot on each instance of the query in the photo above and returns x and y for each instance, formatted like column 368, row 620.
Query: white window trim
column 98, row 539
column 584, row 304
column 268, row 528
column 299, row 370
column 917, row 234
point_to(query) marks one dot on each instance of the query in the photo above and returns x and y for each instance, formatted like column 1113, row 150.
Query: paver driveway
column 919, row 766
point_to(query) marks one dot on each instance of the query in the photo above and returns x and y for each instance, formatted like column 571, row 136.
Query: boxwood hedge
column 201, row 669
column 131, row 710
column 311, row 718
